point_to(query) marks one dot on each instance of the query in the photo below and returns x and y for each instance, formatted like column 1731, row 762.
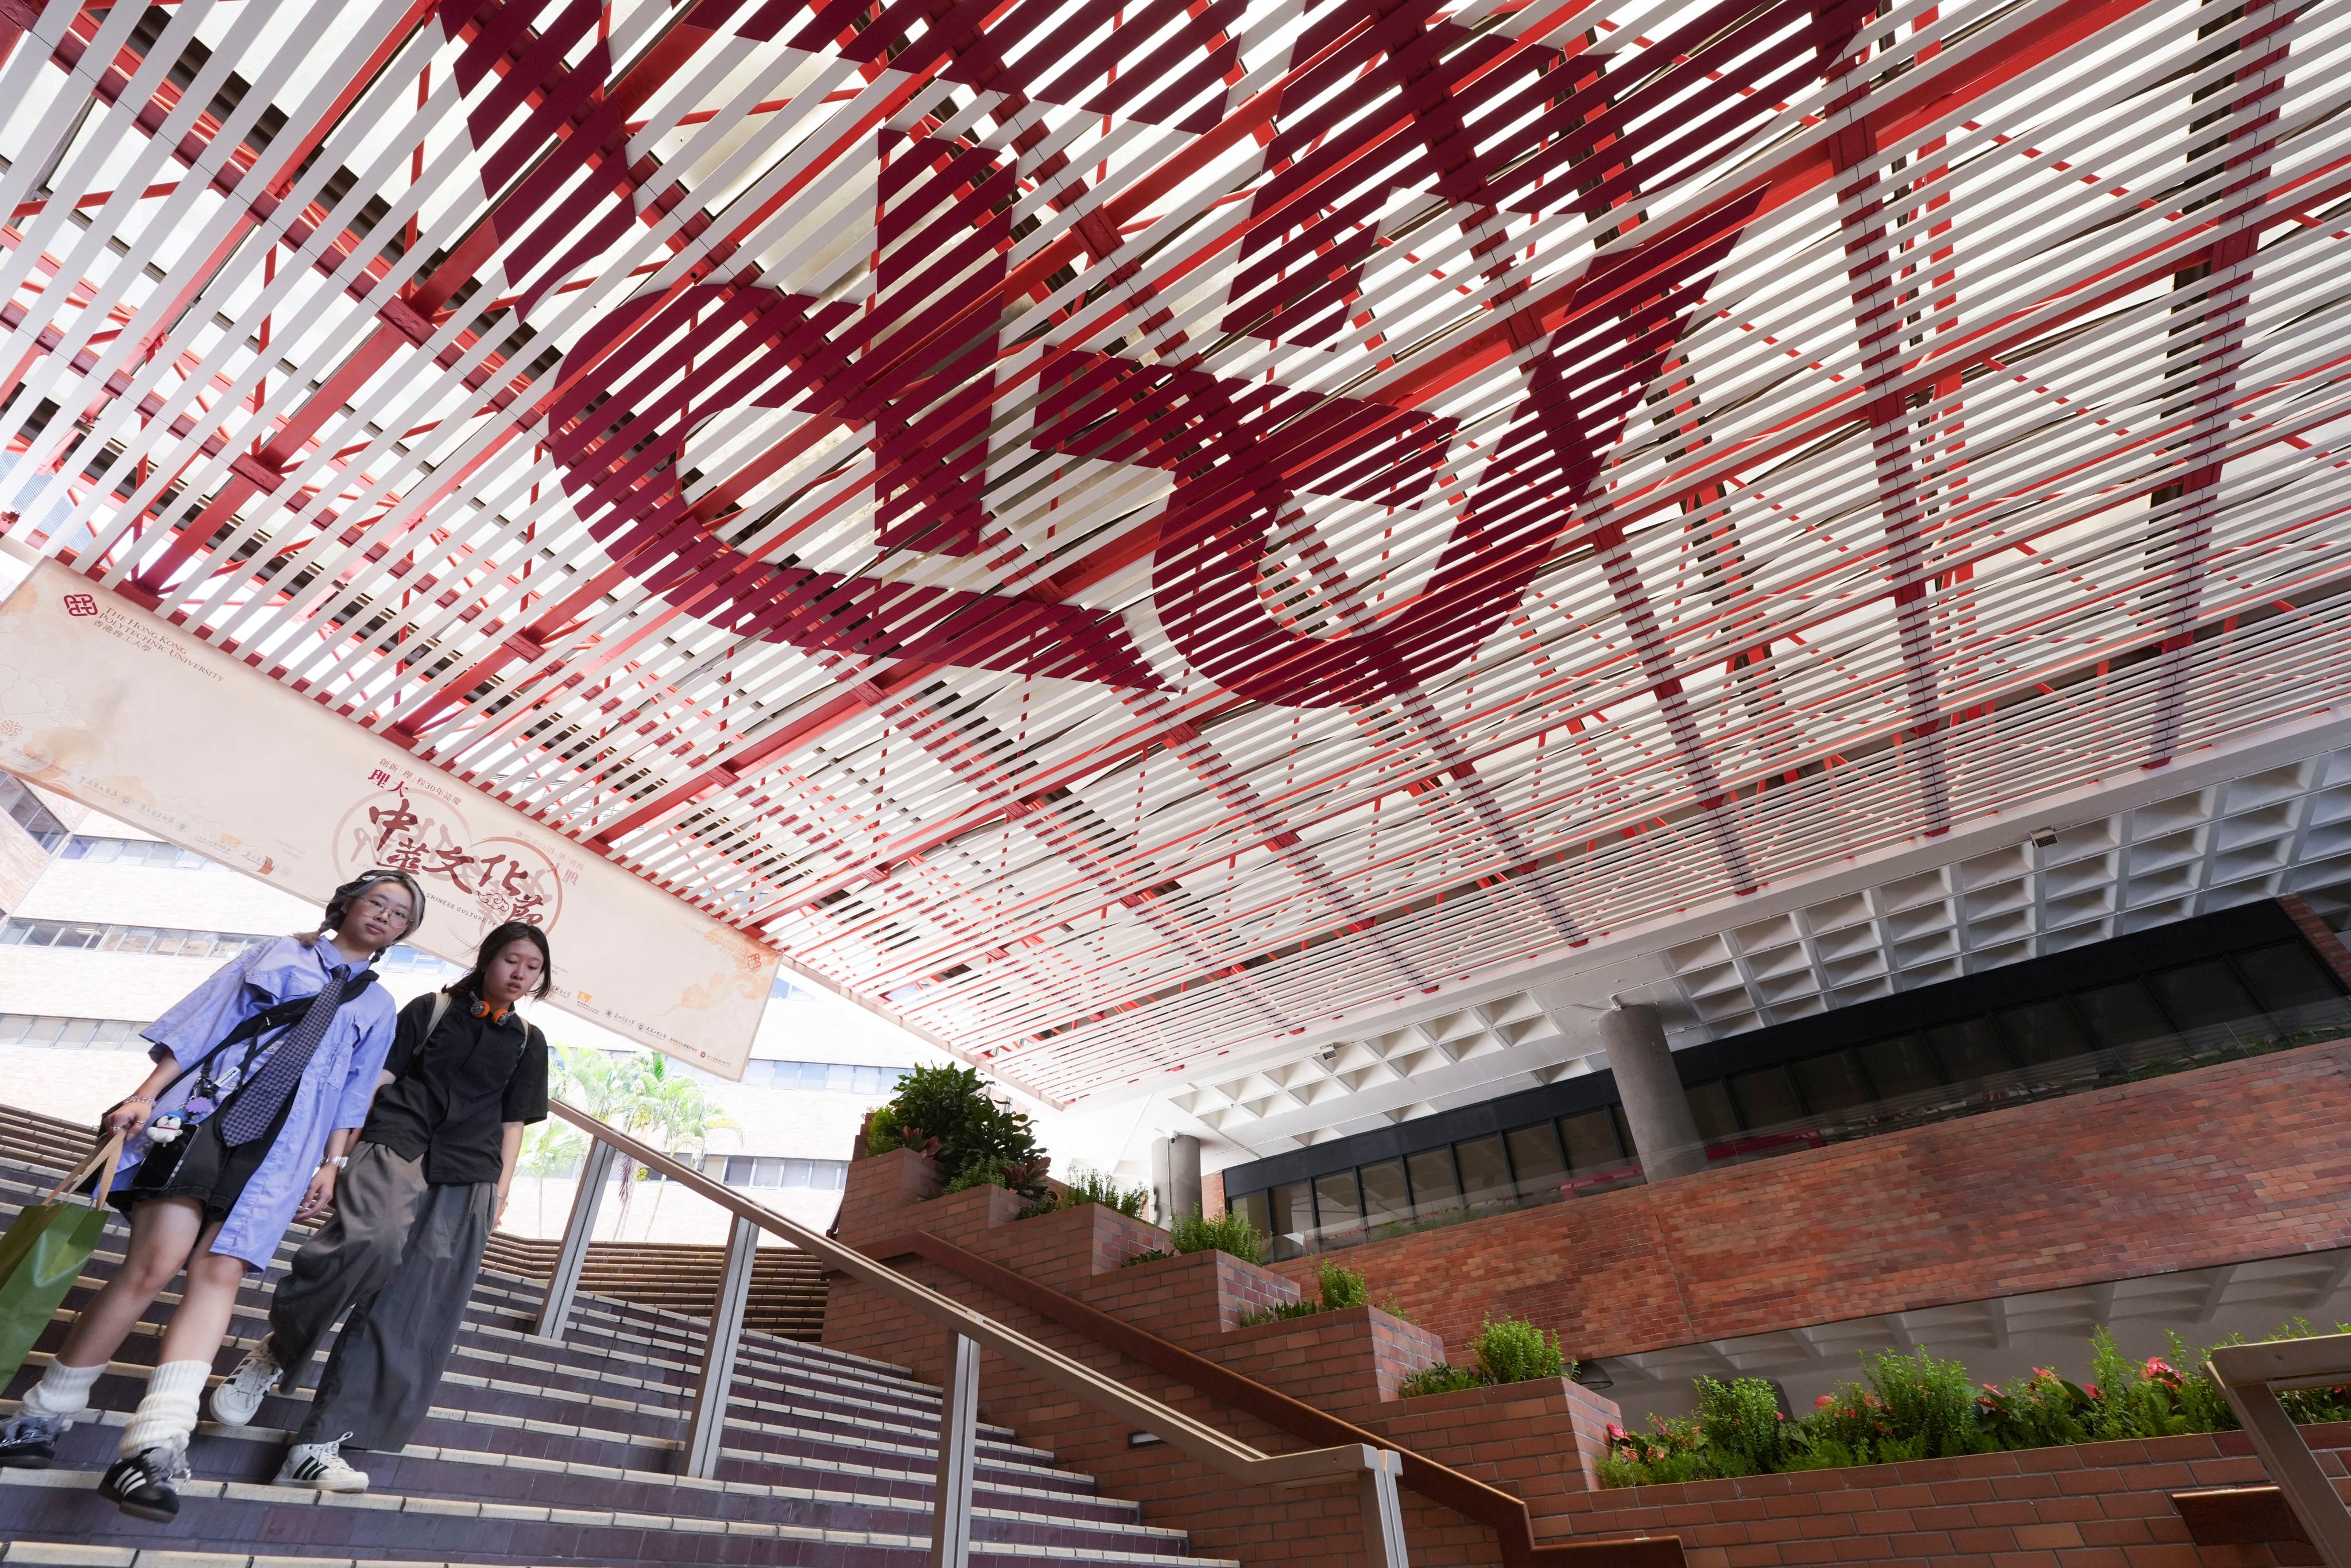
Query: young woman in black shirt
column 413, row 1211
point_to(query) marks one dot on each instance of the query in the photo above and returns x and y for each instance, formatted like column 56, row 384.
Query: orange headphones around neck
column 482, row 1010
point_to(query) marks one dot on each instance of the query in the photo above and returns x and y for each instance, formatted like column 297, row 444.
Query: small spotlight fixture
column 2043, row 838
column 1144, row 1440
column 1593, row 1375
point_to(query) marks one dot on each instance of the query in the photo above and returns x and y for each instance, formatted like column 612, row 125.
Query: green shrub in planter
column 945, row 1112
column 1512, row 1350
column 1230, row 1232
column 1440, row 1378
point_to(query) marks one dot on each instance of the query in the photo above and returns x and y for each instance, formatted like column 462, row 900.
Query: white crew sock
column 62, row 1391
column 168, row 1414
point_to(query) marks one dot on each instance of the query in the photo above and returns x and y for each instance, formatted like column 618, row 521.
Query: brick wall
column 2098, row 1505
column 2242, row 1160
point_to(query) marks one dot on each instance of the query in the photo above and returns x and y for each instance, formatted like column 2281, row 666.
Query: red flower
column 1825, row 1401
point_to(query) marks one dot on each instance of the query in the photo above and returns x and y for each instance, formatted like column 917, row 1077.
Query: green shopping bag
column 43, row 1253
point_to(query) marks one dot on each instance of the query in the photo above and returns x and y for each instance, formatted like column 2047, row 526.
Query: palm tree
column 640, row 1096
column 550, row 1149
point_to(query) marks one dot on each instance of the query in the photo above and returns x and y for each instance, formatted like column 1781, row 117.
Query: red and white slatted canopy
column 1125, row 531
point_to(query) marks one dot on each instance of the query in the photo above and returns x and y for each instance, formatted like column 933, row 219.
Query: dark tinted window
column 2203, row 995
column 1534, row 1157
column 1710, row 1105
column 1591, row 1141
column 2123, row 1015
column 1435, row 1189
column 1338, row 1205
column 2044, row 1031
column 1292, row 1209
column 2286, row 975
column 1765, row 1098
column 1251, row 1207
column 1971, row 1049
column 1830, row 1083
column 1901, row 1065
column 1383, row 1193
column 1485, row 1177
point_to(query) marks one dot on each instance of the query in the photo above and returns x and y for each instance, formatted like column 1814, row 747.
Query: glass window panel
column 1485, row 1171
column 1384, row 1199
column 836, row 1177
column 1901, row 1065
column 739, row 1170
column 2286, row 976
column 2203, row 996
column 76, row 849
column 166, row 944
column 2121, row 1015
column 1591, row 1141
column 2046, row 1033
column 1970, row 1050
column 1710, row 1105
column 1251, row 1207
column 1293, row 1210
column 1535, row 1160
column 13, row 934
column 190, row 860
column 1338, row 1203
column 1830, row 1082
column 1436, row 1190
column 77, row 1032
column 44, row 1031
column 1765, row 1098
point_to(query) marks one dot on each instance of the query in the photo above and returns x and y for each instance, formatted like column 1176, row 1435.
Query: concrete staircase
column 542, row 1453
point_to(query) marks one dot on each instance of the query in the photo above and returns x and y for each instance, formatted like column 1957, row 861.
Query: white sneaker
column 239, row 1394
column 321, row 1467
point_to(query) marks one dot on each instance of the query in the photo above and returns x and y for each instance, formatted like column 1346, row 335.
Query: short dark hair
column 496, row 942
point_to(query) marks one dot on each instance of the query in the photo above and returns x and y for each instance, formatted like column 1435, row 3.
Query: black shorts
column 198, row 1165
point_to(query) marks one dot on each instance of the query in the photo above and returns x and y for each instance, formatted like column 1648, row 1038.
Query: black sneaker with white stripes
column 147, row 1484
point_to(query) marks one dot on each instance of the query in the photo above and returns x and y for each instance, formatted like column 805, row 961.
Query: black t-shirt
column 451, row 1096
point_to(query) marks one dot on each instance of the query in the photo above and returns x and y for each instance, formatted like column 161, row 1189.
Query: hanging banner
column 138, row 719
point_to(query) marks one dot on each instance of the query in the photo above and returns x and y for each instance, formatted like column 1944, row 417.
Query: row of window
column 2046, row 1047
column 134, row 852
column 99, row 938
column 765, row 1171
column 832, row 1077
column 24, row 808
column 70, row 1033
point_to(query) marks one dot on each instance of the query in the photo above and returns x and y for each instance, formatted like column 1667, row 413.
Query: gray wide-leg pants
column 401, row 1254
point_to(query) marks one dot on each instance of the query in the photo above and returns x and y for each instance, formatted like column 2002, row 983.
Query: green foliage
column 1917, row 1407
column 1230, row 1232
column 1153, row 1256
column 1512, row 1350
column 642, row 1095
column 1094, row 1187
column 1438, row 1379
column 946, row 1113
column 1339, row 1287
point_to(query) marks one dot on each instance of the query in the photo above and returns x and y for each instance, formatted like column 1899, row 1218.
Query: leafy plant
column 1337, row 1287
column 1512, row 1350
column 643, row 1096
column 1917, row 1407
column 1440, row 1378
column 946, row 1113
column 1153, row 1256
column 1229, row 1233
column 1094, row 1187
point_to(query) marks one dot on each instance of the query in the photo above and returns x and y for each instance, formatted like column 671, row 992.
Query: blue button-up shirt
column 334, row 1092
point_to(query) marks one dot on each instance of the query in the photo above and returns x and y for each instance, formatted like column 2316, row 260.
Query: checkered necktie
column 250, row 1114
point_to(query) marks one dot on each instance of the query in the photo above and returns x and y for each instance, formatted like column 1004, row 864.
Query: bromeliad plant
column 1917, row 1407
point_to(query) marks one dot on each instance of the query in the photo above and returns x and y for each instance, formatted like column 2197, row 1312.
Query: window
column 1765, row 1098
column 2286, row 976
column 1485, row 1172
column 1972, row 1050
column 1436, row 1189
column 2203, row 996
column 70, row 1033
column 1830, row 1083
column 1535, row 1160
column 828, row 1077
column 2044, row 1031
column 1251, row 1207
column 1385, row 1198
column 2122, row 1015
column 1293, row 1210
column 24, row 809
column 767, row 1170
column 1338, row 1203
column 1710, row 1105
column 132, row 852
column 1591, row 1141
column 215, row 945
column 1898, row 1066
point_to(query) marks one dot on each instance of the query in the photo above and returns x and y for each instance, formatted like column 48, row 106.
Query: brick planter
column 2095, row 1505
column 1540, row 1440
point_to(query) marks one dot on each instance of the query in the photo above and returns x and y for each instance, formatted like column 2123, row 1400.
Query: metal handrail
column 1375, row 1469
column 2250, row 1376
